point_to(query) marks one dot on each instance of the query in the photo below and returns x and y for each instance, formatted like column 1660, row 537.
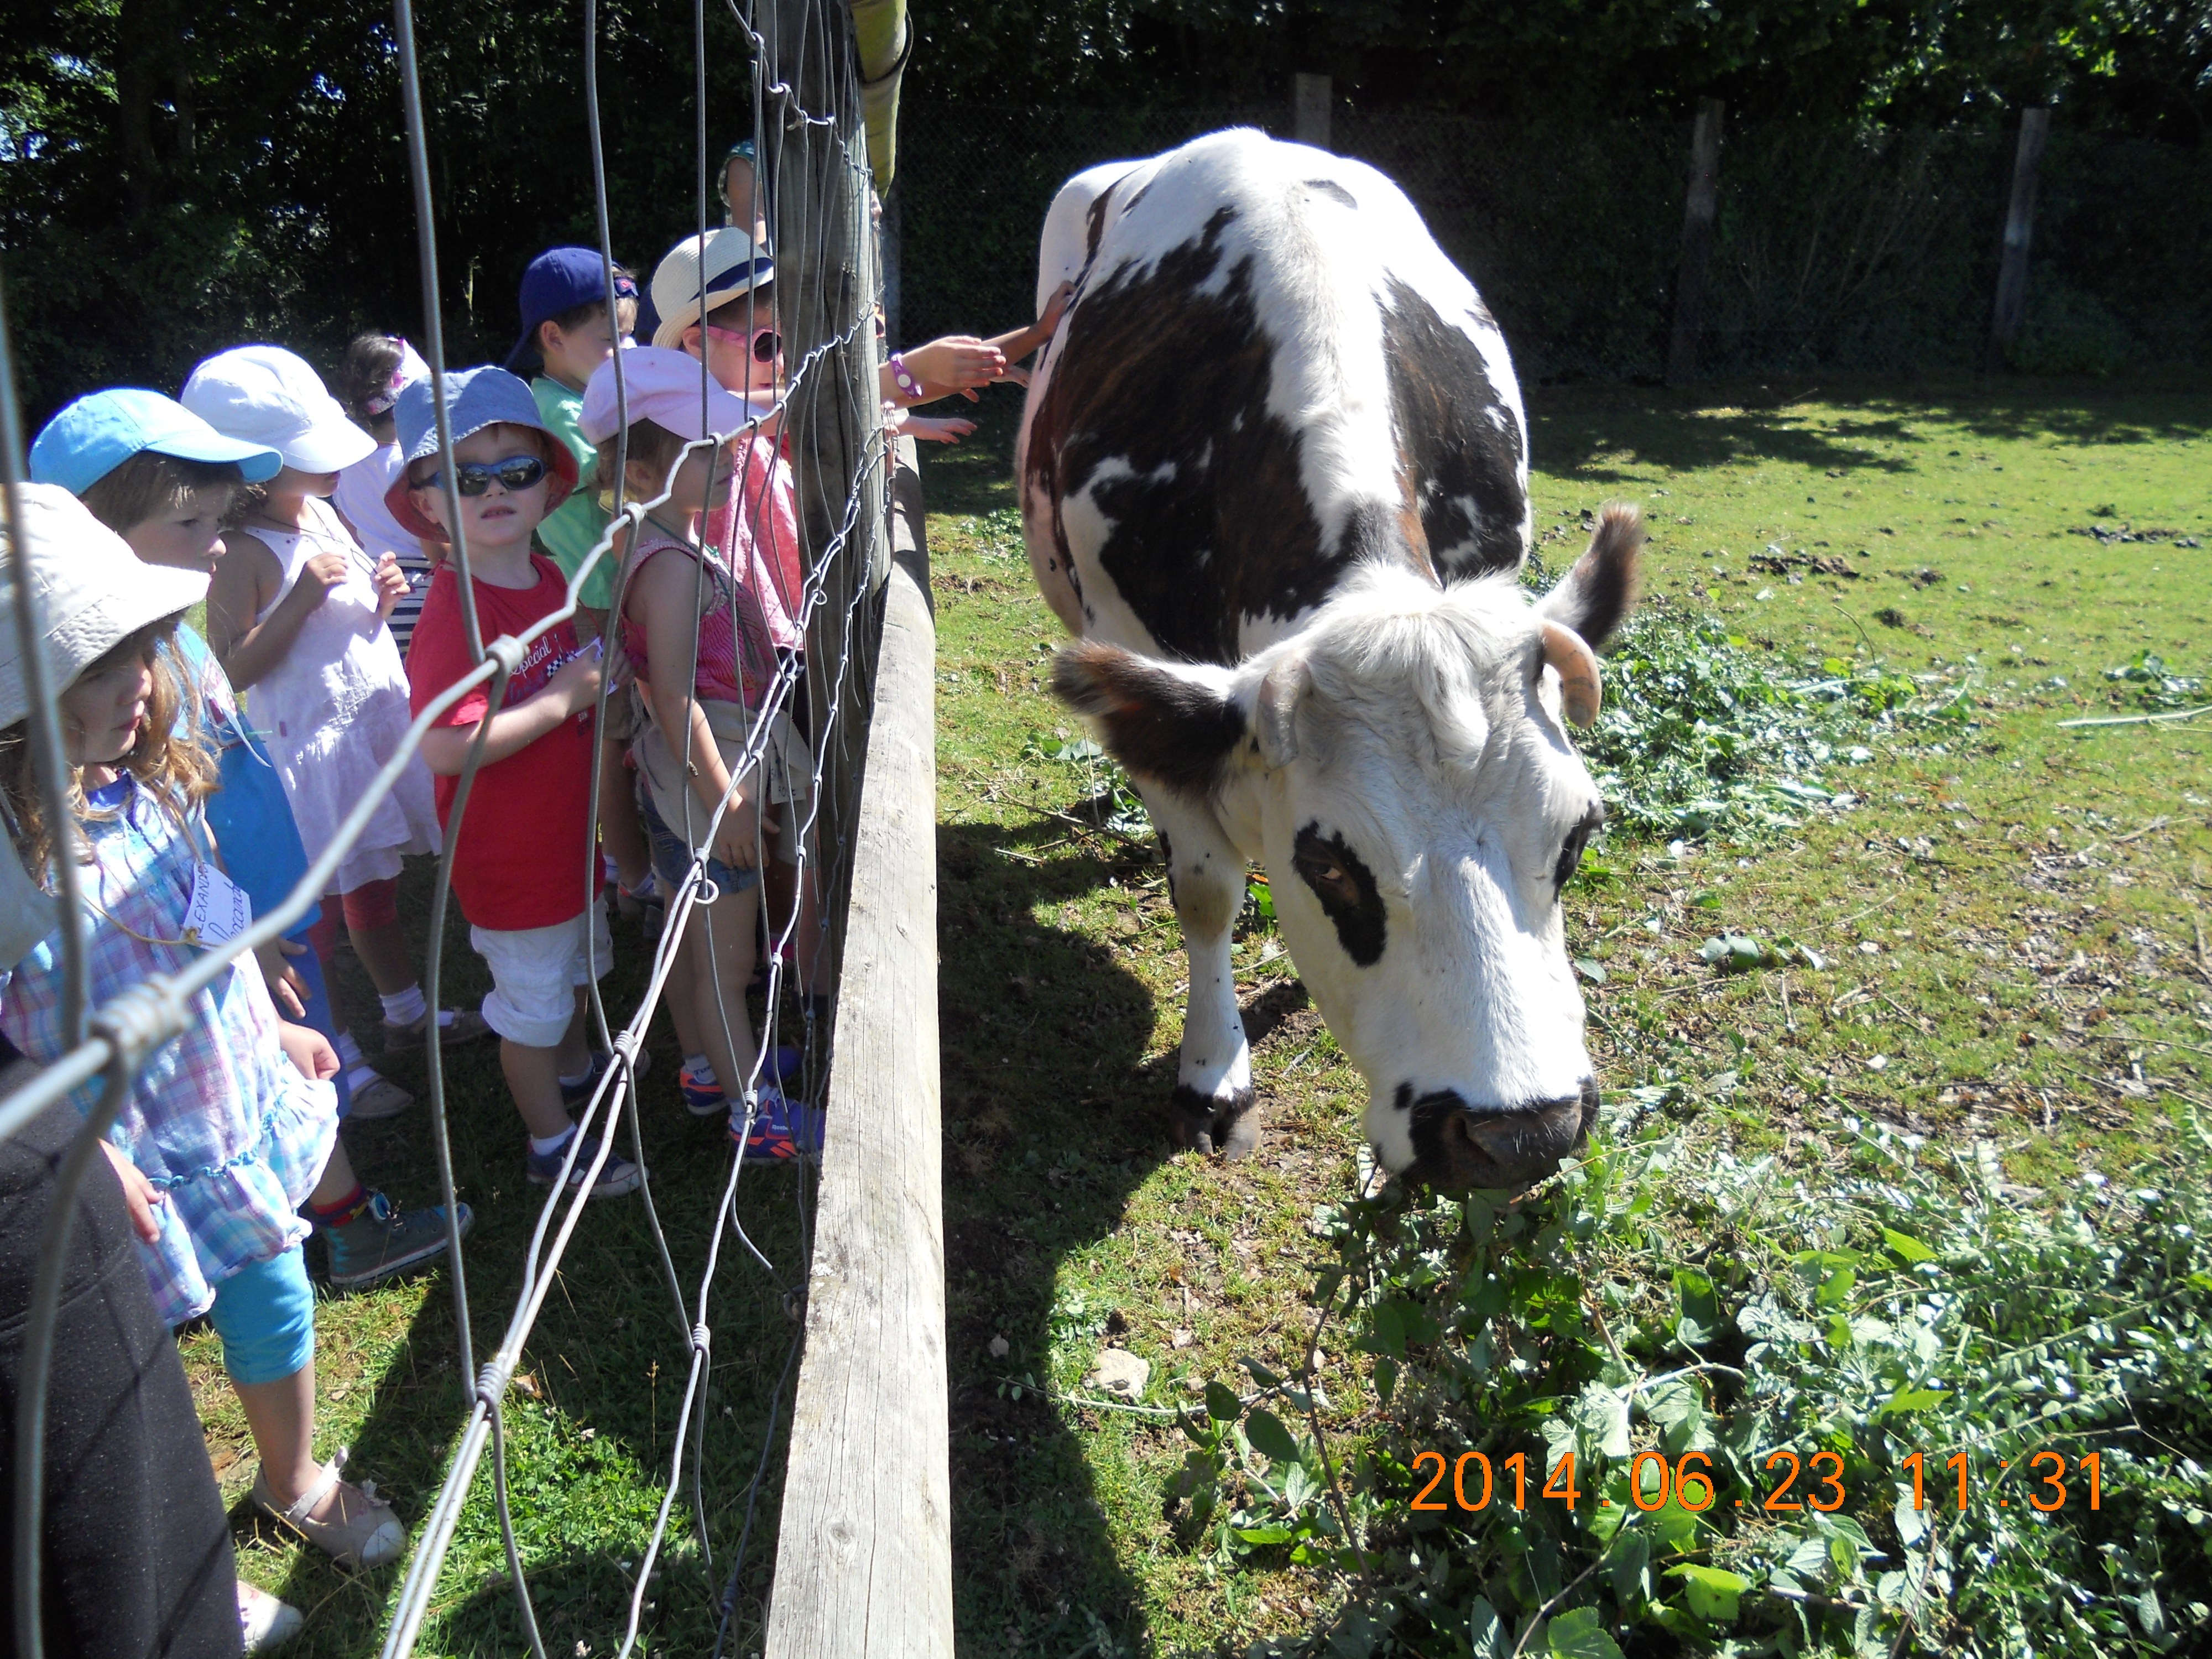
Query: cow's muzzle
column 1457, row 1147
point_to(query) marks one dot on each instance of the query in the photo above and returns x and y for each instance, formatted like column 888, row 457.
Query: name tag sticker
column 219, row 910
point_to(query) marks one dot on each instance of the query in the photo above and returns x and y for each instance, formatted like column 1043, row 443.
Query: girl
column 298, row 612
column 700, row 646
column 224, row 1131
column 376, row 368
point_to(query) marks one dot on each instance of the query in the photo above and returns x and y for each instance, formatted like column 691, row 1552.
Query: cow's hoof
column 1206, row 1123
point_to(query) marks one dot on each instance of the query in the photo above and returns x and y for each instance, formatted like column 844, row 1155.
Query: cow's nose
column 1456, row 1145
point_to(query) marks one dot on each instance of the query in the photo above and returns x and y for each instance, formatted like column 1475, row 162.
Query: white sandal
column 265, row 1622
column 371, row 1538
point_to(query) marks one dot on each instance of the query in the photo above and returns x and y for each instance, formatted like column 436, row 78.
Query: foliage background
column 177, row 177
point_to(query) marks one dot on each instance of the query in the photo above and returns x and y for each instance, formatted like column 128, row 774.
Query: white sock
column 702, row 1071
column 544, row 1144
column 348, row 1050
column 404, row 1007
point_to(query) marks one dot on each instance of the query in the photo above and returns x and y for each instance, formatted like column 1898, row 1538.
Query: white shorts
column 535, row 973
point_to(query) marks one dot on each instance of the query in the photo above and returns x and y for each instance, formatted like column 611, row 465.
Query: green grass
column 2036, row 981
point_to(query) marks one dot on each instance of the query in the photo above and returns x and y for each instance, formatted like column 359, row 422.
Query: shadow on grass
column 1605, row 434
column 976, row 474
column 591, row 1417
column 1052, row 1117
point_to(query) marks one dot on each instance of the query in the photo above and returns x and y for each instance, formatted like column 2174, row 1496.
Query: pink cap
column 662, row 386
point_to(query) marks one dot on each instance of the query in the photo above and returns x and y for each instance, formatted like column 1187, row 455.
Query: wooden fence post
column 1698, row 210
column 863, row 1554
column 1309, row 103
column 2020, row 223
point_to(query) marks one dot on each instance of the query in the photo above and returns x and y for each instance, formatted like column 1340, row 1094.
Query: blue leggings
column 321, row 1015
column 265, row 1315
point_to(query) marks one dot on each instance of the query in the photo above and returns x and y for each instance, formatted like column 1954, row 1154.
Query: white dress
column 336, row 709
column 360, row 502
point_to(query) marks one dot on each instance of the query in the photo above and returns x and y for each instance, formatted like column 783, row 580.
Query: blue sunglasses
column 515, row 474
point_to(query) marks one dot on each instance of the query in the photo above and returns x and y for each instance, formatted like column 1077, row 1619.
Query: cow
column 1275, row 475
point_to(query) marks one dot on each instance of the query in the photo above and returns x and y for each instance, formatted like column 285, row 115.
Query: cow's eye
column 1324, row 871
column 1571, row 854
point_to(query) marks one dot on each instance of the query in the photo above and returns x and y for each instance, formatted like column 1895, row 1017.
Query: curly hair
column 174, row 765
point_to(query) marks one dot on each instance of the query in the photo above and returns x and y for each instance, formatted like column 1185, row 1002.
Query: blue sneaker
column 618, row 1176
column 705, row 1099
column 781, row 1132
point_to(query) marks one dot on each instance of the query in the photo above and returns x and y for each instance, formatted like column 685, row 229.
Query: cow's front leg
column 1206, row 878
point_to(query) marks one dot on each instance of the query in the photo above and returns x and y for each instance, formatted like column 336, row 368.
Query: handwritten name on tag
column 219, row 910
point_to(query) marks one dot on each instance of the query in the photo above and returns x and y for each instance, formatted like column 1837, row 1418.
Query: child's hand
column 735, row 842
column 140, row 1196
column 938, row 430
column 958, row 363
column 1048, row 322
column 318, row 577
column 286, row 988
column 308, row 1049
column 392, row 585
column 578, row 682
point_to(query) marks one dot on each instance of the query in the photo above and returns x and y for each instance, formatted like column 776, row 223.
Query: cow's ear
column 1596, row 597
column 1175, row 724
column 1275, row 710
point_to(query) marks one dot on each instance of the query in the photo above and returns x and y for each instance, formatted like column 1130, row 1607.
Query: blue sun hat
column 100, row 431
column 486, row 395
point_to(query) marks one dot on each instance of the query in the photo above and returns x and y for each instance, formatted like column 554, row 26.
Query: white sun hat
column 93, row 593
column 717, row 268
column 267, row 395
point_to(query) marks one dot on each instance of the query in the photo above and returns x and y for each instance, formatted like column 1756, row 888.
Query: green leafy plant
column 2146, row 677
column 1653, row 1410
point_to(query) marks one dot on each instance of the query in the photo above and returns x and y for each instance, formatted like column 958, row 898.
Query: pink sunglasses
column 765, row 342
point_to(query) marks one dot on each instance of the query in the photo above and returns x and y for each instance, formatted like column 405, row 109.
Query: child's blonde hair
column 148, row 482
column 650, row 444
column 177, row 767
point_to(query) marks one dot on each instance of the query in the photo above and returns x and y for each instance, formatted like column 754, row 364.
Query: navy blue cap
column 560, row 279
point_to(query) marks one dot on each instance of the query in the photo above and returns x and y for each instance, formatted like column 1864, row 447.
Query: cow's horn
column 1274, row 713
column 1565, row 650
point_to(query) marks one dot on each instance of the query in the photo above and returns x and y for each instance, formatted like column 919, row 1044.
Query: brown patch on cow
column 1211, row 522
column 1411, row 531
column 1095, row 220
column 1458, row 441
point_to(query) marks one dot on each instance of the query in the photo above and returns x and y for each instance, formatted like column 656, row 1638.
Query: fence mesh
column 805, row 111
column 1865, row 249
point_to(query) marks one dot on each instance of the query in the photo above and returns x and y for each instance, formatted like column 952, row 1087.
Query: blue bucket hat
column 99, row 432
column 486, row 395
column 560, row 279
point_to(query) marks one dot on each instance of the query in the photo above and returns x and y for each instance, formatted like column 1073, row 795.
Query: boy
column 163, row 479
column 567, row 333
column 525, row 867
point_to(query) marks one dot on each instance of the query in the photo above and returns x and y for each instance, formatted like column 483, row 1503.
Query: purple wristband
column 902, row 377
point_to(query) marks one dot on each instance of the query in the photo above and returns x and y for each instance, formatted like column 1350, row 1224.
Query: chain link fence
column 1855, row 250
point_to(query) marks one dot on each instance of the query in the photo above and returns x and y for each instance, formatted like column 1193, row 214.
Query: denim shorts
column 671, row 858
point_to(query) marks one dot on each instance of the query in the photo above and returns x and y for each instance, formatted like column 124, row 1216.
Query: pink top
column 726, row 672
column 761, row 542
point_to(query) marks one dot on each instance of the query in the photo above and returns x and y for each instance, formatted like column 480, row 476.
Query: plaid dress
column 219, row 1119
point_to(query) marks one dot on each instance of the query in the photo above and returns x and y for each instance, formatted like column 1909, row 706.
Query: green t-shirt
column 574, row 529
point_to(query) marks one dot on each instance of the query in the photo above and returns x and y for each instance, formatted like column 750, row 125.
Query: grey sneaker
column 455, row 1025
column 380, row 1241
column 617, row 1177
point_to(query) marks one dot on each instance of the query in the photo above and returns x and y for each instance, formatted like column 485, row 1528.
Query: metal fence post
column 1310, row 105
column 1698, row 211
column 2019, row 222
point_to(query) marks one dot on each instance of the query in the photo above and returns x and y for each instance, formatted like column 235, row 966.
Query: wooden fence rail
column 863, row 1557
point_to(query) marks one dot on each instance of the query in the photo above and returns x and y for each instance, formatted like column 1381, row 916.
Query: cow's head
column 1402, row 765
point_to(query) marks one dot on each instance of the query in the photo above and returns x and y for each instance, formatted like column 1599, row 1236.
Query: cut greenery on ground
column 1884, row 965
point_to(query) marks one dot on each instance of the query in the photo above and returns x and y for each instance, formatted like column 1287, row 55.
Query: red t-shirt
column 528, row 831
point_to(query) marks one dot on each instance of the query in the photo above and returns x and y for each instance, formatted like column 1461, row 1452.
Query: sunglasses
column 766, row 341
column 515, row 474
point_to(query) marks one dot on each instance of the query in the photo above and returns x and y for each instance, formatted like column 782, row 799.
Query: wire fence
column 806, row 108
column 1861, row 249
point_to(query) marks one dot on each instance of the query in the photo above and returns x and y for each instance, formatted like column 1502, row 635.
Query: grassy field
column 2008, row 916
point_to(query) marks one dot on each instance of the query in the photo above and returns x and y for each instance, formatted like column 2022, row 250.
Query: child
column 219, row 1135
column 697, row 638
column 297, row 614
column 376, row 367
column 566, row 334
column 163, row 479
column 525, row 867
column 756, row 530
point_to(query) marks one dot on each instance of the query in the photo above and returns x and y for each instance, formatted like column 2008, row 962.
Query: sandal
column 265, row 1622
column 455, row 1025
column 369, row 1537
column 379, row 1097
